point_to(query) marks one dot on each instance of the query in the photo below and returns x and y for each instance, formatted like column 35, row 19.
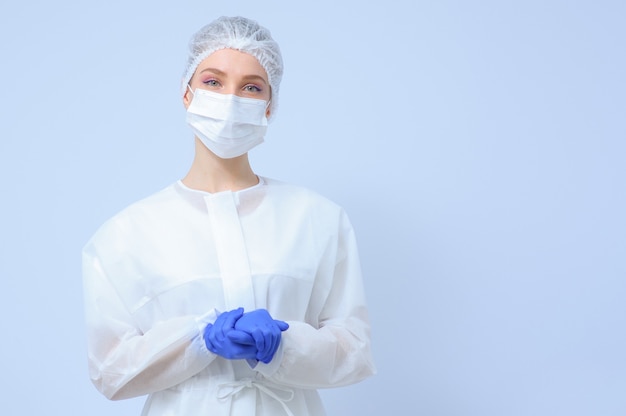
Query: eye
column 211, row 82
column 251, row 88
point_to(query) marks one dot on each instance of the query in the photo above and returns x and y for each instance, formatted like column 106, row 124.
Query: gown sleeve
column 125, row 362
column 333, row 349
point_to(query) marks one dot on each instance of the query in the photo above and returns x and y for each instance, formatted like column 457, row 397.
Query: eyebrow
column 246, row 77
column 256, row 77
column 214, row 70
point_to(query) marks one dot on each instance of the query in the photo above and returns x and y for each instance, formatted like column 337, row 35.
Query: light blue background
column 477, row 146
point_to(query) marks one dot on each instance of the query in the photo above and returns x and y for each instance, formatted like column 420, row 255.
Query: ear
column 187, row 97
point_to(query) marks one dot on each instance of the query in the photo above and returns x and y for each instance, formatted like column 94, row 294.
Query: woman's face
column 228, row 71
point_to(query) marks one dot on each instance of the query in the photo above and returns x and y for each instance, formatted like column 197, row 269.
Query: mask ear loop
column 189, row 87
column 267, row 109
column 267, row 106
column 270, row 100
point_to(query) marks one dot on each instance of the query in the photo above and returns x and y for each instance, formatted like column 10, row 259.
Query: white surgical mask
column 226, row 124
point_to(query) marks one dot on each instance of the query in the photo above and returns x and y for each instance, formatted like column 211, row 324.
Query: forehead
column 232, row 63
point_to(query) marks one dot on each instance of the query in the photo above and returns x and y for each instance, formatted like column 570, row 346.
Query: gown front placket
column 232, row 253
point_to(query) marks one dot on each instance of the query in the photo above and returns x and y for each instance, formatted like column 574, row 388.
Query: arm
column 336, row 350
column 124, row 362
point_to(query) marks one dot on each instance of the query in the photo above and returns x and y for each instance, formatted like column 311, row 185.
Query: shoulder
column 137, row 214
column 296, row 200
column 149, row 206
column 300, row 194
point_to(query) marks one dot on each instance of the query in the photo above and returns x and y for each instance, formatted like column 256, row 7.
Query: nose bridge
column 230, row 85
column 230, row 88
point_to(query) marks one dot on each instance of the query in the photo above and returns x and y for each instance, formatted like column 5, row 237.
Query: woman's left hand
column 265, row 330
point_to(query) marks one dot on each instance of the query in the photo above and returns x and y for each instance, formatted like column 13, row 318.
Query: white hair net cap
column 244, row 35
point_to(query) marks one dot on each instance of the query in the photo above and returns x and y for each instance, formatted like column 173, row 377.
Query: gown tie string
column 279, row 393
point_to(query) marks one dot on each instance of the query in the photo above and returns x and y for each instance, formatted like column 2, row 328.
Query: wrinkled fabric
column 159, row 271
column 226, row 124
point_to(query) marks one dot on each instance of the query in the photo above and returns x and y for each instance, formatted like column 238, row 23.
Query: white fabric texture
column 159, row 271
column 226, row 124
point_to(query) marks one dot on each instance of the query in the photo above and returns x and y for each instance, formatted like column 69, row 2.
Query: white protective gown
column 159, row 271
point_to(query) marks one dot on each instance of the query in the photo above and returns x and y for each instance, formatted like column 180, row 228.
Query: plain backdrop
column 478, row 147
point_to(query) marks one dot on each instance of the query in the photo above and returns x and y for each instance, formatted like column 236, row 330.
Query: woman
column 226, row 293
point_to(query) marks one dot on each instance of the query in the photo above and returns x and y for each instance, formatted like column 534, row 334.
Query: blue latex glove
column 265, row 331
column 217, row 340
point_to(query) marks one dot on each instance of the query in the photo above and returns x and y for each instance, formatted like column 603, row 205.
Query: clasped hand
column 253, row 335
